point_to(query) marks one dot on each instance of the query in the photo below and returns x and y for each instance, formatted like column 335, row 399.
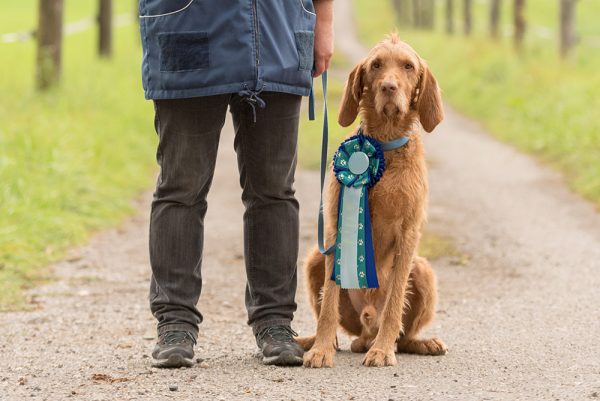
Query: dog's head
column 395, row 84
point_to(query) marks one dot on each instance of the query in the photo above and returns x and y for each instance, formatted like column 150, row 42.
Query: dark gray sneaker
column 174, row 349
column 278, row 346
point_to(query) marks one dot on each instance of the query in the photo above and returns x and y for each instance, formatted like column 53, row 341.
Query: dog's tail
column 368, row 317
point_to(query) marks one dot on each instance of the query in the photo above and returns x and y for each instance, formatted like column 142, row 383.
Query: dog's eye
column 376, row 65
column 408, row 66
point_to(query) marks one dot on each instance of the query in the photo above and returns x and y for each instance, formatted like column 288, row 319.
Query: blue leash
column 324, row 143
column 391, row 145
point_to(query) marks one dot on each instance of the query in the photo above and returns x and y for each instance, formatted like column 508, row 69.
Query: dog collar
column 391, row 145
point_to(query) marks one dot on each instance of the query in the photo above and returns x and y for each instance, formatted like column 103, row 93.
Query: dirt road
column 521, row 318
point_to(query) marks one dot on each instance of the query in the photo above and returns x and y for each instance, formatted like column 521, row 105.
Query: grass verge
column 71, row 159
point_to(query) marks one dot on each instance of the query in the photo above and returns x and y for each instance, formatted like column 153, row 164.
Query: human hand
column 323, row 36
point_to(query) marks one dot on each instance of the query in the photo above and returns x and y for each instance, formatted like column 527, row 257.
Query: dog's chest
column 401, row 191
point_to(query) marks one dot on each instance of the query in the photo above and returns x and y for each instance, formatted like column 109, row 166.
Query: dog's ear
column 428, row 99
column 352, row 94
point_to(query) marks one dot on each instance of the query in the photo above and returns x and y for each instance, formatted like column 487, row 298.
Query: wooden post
column 49, row 43
column 520, row 25
column 567, row 27
column 450, row 17
column 105, row 28
column 468, row 19
column 495, row 18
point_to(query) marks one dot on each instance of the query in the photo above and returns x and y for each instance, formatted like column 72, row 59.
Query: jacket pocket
column 183, row 51
column 305, row 43
column 162, row 8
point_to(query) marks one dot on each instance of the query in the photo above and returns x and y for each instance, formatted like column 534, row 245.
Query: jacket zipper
column 256, row 38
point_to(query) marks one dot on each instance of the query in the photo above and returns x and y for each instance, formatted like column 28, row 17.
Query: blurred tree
column 423, row 13
column 49, row 43
column 402, row 8
column 568, row 38
column 427, row 14
column 450, row 16
column 520, row 25
column 105, row 28
column 468, row 16
column 495, row 18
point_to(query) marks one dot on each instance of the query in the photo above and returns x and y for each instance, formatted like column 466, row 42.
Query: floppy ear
column 352, row 94
column 428, row 99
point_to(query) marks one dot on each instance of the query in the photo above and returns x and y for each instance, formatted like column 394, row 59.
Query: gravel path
column 521, row 317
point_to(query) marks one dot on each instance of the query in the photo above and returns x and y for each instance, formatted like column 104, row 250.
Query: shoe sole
column 173, row 361
column 283, row 359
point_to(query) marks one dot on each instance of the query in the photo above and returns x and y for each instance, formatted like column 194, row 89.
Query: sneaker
column 174, row 349
column 278, row 346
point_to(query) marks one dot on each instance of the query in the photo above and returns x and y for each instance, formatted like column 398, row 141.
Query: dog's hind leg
column 419, row 310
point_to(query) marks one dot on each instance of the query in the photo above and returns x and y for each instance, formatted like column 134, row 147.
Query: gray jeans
column 189, row 131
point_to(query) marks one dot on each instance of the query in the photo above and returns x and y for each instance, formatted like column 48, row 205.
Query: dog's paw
column 376, row 357
column 430, row 346
column 319, row 358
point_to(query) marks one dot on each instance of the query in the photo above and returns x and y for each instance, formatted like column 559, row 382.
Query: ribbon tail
column 348, row 215
column 335, row 272
column 371, row 272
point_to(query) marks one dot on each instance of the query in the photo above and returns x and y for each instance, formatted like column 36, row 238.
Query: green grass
column 71, row 159
column 535, row 101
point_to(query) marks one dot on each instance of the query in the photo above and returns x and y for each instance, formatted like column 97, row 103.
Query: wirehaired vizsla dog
column 396, row 95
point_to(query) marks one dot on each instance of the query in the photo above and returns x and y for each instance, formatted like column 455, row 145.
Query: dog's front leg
column 322, row 352
column 382, row 351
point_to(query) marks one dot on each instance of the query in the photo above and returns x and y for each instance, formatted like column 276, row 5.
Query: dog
column 396, row 94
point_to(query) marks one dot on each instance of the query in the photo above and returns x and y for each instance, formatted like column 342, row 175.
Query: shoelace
column 278, row 333
column 177, row 337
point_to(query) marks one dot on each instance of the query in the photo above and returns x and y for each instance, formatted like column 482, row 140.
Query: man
column 258, row 58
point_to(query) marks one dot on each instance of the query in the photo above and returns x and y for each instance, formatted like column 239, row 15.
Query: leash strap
column 325, row 140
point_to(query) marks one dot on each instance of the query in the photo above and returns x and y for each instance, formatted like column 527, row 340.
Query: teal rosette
column 358, row 164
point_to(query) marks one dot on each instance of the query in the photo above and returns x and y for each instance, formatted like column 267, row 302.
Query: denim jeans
column 189, row 131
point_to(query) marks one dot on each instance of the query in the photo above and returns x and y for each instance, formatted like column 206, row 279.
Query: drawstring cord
column 251, row 97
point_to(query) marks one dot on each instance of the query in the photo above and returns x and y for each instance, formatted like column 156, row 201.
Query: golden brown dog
column 395, row 94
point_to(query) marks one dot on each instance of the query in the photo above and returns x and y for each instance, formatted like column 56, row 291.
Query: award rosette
column 358, row 164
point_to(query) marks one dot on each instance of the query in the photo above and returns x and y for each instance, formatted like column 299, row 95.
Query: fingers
column 322, row 63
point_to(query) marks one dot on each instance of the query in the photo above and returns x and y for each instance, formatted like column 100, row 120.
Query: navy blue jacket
column 206, row 47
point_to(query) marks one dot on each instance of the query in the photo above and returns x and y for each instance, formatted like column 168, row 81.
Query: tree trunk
column 416, row 11
column 567, row 27
column 105, row 28
column 49, row 43
column 402, row 8
column 520, row 24
column 450, row 16
column 495, row 18
column 427, row 14
column 468, row 18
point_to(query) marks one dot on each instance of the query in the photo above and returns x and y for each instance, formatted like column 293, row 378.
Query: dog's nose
column 389, row 87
